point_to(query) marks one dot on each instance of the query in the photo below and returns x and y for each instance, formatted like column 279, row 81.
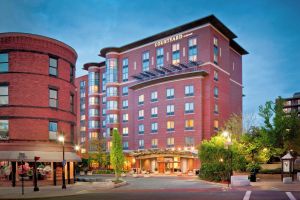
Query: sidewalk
column 54, row 191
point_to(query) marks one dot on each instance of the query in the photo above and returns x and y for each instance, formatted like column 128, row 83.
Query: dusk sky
column 268, row 30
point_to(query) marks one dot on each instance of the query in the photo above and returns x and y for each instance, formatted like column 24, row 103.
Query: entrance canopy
column 44, row 156
column 153, row 153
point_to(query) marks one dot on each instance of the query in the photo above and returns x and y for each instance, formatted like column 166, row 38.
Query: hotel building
column 292, row 104
column 37, row 103
column 164, row 93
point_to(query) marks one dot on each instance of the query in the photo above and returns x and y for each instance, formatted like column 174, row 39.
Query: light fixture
column 77, row 147
column 61, row 138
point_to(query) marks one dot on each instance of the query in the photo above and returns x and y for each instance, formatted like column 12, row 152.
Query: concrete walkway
column 54, row 191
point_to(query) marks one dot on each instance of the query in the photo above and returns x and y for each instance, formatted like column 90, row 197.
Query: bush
column 270, row 171
column 104, row 171
column 217, row 162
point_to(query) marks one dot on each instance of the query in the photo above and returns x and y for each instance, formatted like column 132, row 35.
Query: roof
column 211, row 19
column 91, row 64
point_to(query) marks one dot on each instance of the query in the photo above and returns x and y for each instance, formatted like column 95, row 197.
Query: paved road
column 183, row 195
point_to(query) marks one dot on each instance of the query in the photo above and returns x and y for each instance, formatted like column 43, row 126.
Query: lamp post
column 36, row 188
column 228, row 143
column 61, row 138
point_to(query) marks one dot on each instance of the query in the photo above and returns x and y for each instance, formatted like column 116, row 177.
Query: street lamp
column 228, row 143
column 61, row 139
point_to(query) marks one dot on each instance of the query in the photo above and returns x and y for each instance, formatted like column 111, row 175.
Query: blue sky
column 269, row 30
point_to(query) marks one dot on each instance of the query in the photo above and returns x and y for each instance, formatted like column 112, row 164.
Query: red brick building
column 37, row 102
column 165, row 93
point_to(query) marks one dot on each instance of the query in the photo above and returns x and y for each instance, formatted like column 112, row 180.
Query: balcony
column 167, row 73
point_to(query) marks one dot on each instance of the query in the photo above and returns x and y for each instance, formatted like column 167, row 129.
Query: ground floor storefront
column 16, row 167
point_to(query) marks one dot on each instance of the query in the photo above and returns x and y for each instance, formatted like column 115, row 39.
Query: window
column 125, row 70
column 103, row 100
column 216, row 125
column 141, row 144
column 189, row 124
column 193, row 49
column 103, row 124
column 216, row 76
column 53, row 98
column 93, row 124
column 216, row 109
column 125, row 131
column 125, row 117
column 103, row 112
column 145, row 61
column 175, row 54
column 154, row 143
column 112, row 105
column 93, row 135
column 103, row 82
column 154, row 112
column 125, row 90
column 170, row 93
column 3, row 62
column 216, row 92
column 112, row 91
column 216, row 50
column 53, row 66
column 93, row 112
column 111, row 118
column 93, row 82
column 4, row 128
column 141, row 99
column 170, row 142
column 189, row 141
column 111, row 70
column 125, row 145
column 93, row 100
column 154, row 96
column 170, row 109
column 4, row 95
column 170, row 125
column 52, row 130
column 154, row 127
column 72, row 73
column 141, row 129
column 141, row 114
column 125, row 104
column 189, row 107
column 189, row 90
column 72, row 102
column 159, row 57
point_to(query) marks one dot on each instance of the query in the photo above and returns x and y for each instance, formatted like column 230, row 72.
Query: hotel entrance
column 165, row 161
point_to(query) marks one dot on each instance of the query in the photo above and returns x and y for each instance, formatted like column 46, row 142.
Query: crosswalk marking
column 290, row 196
column 247, row 195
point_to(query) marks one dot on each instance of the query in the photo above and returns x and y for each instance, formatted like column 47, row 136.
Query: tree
column 280, row 128
column 99, row 155
column 116, row 154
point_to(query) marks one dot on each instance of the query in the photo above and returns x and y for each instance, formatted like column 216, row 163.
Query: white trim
column 236, row 82
column 216, row 66
column 201, row 77
column 93, row 67
column 112, row 52
column 219, row 32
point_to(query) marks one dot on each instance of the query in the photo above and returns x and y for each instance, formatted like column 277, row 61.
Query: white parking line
column 247, row 195
column 290, row 196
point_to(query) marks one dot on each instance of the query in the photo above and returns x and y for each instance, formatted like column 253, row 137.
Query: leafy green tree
column 280, row 129
column 116, row 154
